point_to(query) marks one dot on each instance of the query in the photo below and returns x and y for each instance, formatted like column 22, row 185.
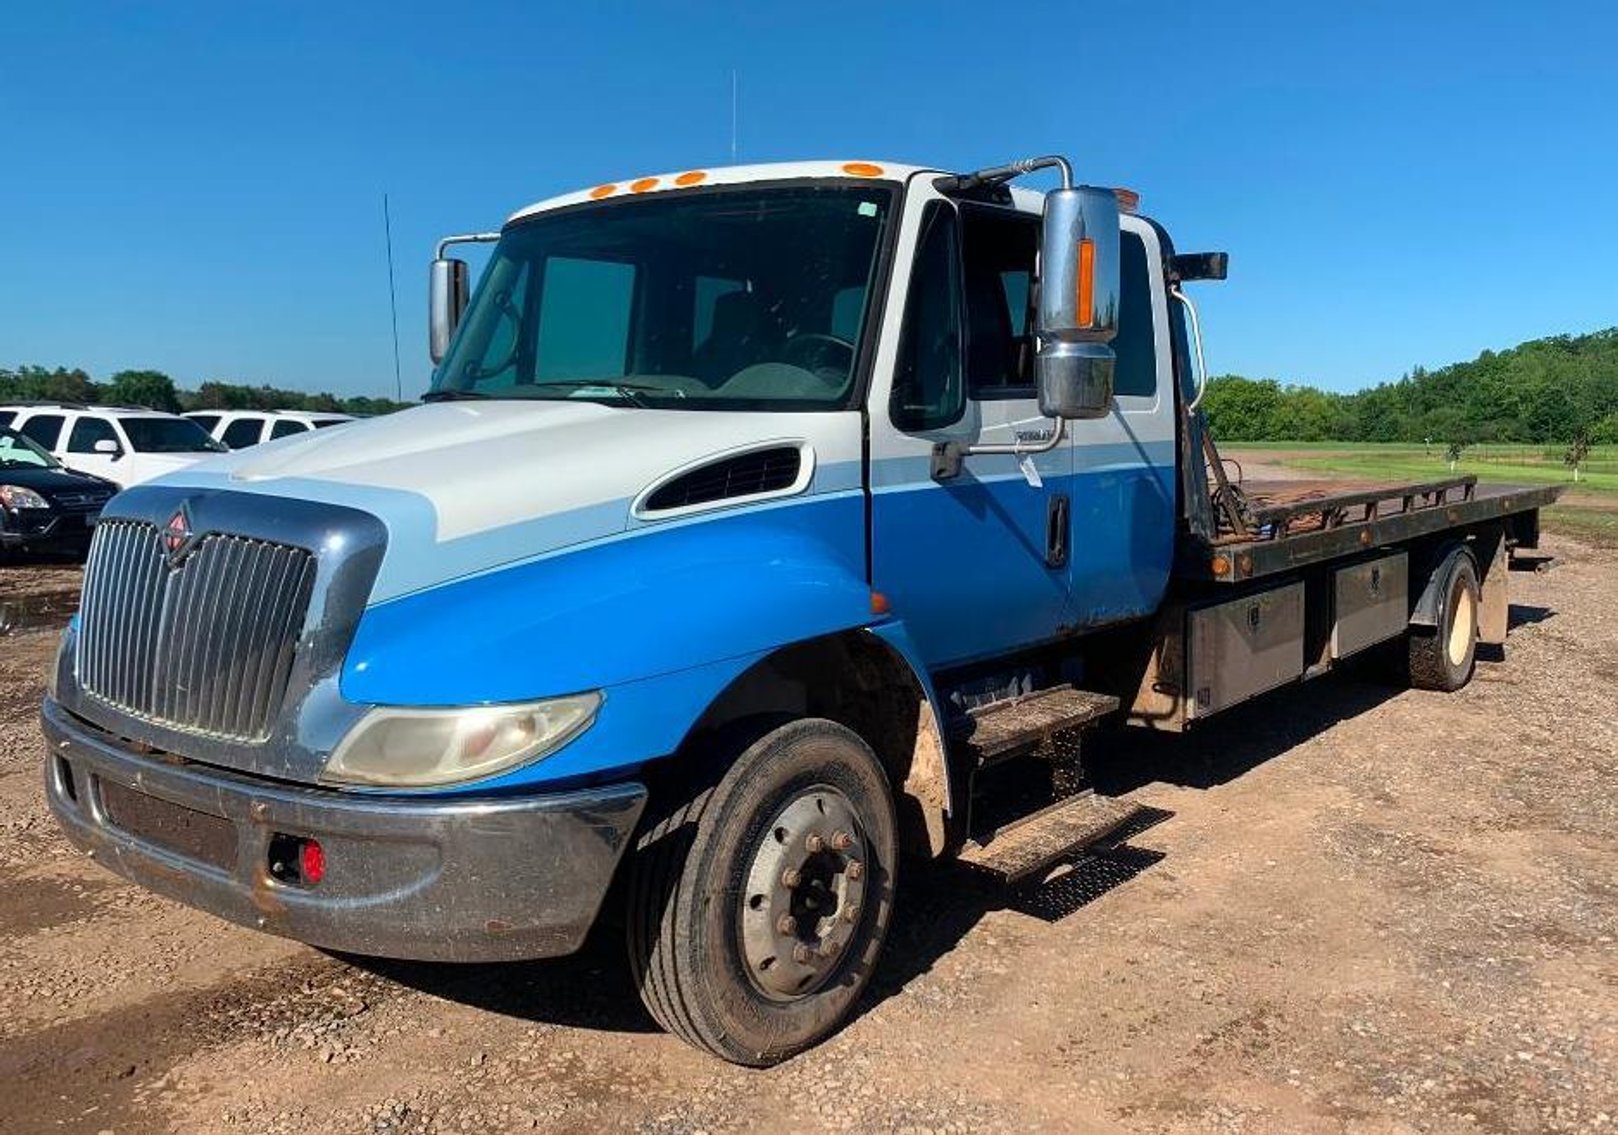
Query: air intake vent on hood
column 761, row 472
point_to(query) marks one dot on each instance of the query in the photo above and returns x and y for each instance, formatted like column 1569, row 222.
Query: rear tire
column 758, row 905
column 1443, row 657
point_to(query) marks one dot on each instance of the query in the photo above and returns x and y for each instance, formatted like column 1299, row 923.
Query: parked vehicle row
column 60, row 462
column 239, row 429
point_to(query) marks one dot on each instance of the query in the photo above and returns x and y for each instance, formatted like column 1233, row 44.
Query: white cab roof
column 727, row 175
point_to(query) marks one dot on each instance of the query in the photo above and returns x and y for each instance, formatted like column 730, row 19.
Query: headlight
column 415, row 748
column 15, row 496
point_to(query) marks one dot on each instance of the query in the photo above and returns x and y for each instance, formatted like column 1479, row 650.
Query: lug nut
column 851, row 912
column 801, row 954
column 830, row 948
column 813, row 842
column 786, row 924
column 790, row 878
column 842, row 841
column 856, row 870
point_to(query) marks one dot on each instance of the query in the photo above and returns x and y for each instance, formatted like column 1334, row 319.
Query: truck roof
column 726, row 175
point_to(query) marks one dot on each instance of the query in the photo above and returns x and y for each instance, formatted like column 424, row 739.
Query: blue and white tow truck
column 755, row 520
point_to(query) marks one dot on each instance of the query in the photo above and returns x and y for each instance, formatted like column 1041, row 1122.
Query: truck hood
column 464, row 487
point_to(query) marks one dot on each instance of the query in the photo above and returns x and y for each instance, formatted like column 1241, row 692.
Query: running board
column 1037, row 843
column 1005, row 729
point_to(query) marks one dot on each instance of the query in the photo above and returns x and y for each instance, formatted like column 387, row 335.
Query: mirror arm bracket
column 948, row 456
column 464, row 238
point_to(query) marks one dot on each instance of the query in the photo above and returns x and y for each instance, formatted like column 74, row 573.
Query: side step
column 1005, row 729
column 1037, row 843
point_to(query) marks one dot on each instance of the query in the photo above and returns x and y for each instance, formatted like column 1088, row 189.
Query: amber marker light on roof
column 601, row 191
column 862, row 169
column 691, row 178
column 1128, row 200
column 643, row 185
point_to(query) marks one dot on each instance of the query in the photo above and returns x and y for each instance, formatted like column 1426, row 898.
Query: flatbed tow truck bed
column 1292, row 524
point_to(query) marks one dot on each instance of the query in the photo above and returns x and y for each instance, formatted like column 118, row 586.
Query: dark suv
column 43, row 505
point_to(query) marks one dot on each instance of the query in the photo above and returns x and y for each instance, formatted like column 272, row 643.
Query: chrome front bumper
column 460, row 879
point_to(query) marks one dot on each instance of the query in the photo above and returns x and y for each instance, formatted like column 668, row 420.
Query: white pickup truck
column 758, row 520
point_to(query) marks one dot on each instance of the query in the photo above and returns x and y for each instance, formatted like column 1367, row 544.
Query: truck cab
column 753, row 513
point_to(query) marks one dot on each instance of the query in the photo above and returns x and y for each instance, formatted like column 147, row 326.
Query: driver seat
column 741, row 335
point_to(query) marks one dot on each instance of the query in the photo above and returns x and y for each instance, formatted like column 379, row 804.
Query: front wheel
column 758, row 906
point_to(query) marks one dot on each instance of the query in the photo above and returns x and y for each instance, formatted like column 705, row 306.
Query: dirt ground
column 1363, row 910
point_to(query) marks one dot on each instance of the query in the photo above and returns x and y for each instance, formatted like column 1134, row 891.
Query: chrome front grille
column 206, row 646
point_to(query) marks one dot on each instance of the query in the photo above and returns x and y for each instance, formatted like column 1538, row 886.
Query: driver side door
column 974, row 564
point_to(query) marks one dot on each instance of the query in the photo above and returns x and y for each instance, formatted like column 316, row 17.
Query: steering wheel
column 814, row 344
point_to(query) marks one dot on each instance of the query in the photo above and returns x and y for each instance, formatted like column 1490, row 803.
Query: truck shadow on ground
column 591, row 989
column 940, row 903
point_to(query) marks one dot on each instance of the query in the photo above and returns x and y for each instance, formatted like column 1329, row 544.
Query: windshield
column 168, row 435
column 17, row 451
column 741, row 298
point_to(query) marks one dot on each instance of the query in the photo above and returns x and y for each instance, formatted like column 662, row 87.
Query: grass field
column 1588, row 510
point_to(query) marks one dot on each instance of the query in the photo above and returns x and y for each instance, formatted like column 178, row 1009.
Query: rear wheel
column 1444, row 656
column 758, row 906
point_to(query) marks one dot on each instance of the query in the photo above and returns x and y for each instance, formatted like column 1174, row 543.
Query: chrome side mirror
column 1078, row 303
column 446, row 300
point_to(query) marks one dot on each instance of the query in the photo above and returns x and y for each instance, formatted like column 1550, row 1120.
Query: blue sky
column 197, row 187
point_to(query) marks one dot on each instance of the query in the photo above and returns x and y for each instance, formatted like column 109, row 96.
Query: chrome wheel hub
column 804, row 895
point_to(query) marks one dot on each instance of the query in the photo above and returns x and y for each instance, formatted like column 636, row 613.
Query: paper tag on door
column 1029, row 472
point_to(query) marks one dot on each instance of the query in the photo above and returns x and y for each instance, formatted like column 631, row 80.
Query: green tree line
column 1546, row 391
column 157, row 391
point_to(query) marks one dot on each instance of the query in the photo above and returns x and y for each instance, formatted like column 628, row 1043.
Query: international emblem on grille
column 176, row 535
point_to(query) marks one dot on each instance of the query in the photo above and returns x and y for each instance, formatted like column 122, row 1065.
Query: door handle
column 1056, row 531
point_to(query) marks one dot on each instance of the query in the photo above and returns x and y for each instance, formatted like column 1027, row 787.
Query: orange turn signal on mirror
column 1084, row 285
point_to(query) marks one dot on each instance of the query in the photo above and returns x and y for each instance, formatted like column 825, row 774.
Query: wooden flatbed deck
column 1292, row 524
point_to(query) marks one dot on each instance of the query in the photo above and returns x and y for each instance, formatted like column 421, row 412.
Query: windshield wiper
column 452, row 396
column 630, row 392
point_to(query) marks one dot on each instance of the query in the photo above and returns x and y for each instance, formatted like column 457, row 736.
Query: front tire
column 1445, row 656
column 758, row 905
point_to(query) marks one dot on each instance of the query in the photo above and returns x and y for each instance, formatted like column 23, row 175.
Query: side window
column 1135, row 344
column 44, row 429
column 206, row 421
column 242, row 433
column 87, row 431
column 927, row 391
column 584, row 313
column 286, row 427
column 998, row 248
